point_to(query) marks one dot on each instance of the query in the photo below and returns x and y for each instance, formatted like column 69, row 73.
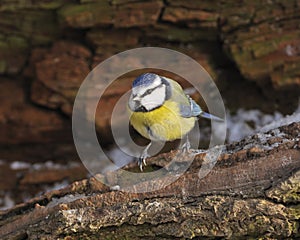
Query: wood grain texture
column 253, row 191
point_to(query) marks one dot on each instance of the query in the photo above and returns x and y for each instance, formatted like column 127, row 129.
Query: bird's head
column 149, row 91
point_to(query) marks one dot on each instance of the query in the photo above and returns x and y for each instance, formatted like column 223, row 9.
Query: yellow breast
column 163, row 123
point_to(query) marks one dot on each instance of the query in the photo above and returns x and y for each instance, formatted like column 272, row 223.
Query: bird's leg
column 143, row 157
column 187, row 145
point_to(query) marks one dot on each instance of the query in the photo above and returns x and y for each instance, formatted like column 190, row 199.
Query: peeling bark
column 253, row 191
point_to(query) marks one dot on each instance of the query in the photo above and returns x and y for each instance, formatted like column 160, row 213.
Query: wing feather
column 187, row 106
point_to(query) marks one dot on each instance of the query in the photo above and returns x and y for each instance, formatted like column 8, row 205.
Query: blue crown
column 144, row 80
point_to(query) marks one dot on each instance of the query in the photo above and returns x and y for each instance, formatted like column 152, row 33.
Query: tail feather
column 210, row 116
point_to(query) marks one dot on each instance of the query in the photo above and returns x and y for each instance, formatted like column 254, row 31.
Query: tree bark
column 253, row 191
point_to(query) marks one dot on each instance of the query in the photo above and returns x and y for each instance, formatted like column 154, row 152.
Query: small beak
column 136, row 98
column 134, row 102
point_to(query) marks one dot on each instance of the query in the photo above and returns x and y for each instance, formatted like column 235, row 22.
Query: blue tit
column 161, row 111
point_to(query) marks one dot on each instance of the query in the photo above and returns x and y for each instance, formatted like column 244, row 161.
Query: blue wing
column 194, row 110
column 190, row 110
column 187, row 106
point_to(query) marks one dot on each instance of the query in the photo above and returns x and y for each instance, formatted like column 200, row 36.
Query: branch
column 252, row 191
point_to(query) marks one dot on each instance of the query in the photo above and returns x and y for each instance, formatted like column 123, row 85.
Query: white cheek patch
column 154, row 99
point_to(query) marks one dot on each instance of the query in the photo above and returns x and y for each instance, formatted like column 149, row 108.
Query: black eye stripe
column 164, row 82
column 149, row 91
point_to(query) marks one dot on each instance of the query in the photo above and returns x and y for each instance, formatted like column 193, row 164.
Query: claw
column 186, row 146
column 142, row 161
column 143, row 157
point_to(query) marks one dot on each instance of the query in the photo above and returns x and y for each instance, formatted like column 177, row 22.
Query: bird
column 160, row 110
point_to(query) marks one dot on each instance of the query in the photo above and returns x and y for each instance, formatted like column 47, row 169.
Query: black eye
column 149, row 91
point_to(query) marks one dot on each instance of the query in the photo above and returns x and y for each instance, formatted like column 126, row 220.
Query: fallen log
column 252, row 191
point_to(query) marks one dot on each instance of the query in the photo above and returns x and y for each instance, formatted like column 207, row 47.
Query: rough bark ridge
column 252, row 191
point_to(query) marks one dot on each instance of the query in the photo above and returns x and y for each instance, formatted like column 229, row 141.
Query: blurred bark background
column 48, row 47
column 250, row 48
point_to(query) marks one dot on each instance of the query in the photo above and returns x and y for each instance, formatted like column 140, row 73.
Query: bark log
column 253, row 191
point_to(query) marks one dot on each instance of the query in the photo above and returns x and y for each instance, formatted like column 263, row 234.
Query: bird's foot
column 198, row 151
column 142, row 161
column 143, row 157
column 186, row 146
